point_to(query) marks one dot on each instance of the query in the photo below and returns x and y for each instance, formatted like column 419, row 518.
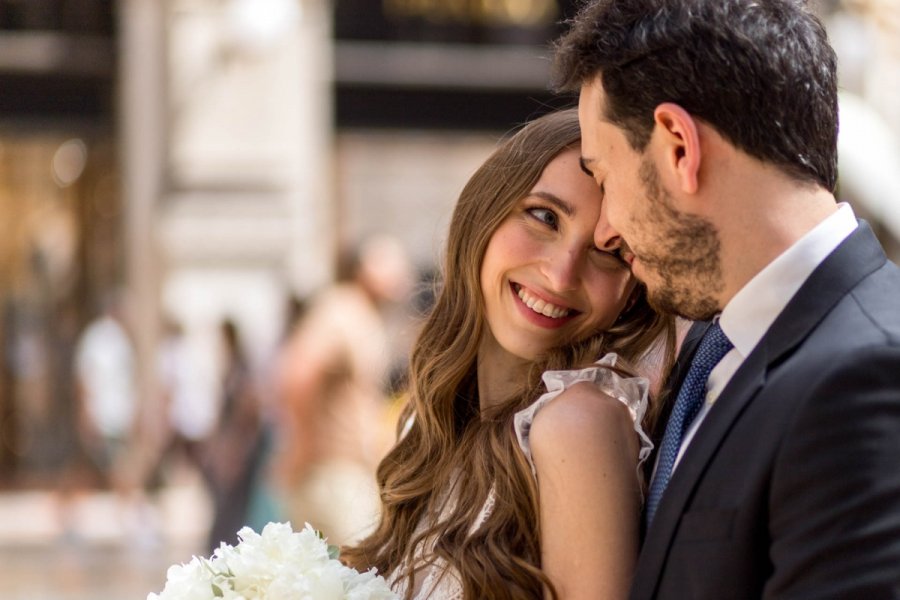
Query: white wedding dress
column 437, row 582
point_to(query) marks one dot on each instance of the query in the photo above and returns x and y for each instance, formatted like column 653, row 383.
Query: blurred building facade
column 211, row 156
column 61, row 207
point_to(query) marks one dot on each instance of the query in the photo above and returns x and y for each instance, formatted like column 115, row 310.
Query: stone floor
column 105, row 552
column 90, row 572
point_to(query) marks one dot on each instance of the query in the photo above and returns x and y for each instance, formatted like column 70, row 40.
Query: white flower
column 278, row 564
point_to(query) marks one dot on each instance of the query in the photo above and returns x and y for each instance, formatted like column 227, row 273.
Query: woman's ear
column 678, row 145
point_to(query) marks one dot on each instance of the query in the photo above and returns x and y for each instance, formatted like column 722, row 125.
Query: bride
column 495, row 490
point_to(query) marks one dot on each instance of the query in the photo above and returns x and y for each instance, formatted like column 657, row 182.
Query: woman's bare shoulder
column 582, row 420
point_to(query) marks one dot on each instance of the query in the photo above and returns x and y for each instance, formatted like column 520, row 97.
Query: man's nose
column 605, row 235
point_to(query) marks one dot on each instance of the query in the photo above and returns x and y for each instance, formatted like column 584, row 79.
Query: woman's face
column 545, row 283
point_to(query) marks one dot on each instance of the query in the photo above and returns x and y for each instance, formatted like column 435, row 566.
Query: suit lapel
column 856, row 257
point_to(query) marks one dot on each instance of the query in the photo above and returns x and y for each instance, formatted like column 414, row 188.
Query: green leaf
column 334, row 552
column 217, row 591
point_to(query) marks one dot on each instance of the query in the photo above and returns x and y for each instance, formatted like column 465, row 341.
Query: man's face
column 675, row 254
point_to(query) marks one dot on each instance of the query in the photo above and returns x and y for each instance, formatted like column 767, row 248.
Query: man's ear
column 678, row 145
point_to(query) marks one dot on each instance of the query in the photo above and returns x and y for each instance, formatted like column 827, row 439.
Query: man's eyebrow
column 583, row 163
column 566, row 208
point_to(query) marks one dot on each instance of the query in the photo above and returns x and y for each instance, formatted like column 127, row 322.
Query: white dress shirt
column 750, row 313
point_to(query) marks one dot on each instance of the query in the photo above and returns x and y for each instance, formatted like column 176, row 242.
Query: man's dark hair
column 760, row 71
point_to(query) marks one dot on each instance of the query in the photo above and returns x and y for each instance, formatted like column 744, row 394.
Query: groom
column 711, row 126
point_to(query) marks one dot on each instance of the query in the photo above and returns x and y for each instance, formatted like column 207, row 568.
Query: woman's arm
column 585, row 452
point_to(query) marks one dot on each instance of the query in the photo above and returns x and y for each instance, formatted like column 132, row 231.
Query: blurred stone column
column 248, row 213
column 883, row 73
column 315, row 201
column 226, row 143
column 142, row 139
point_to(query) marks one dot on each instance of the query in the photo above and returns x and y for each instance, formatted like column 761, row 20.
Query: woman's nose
column 561, row 269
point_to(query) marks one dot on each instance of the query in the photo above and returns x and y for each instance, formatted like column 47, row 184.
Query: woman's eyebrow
column 566, row 208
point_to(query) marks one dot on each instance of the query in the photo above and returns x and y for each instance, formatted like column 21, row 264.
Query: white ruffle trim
column 630, row 391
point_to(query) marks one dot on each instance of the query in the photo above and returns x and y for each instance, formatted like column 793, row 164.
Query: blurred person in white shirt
column 105, row 374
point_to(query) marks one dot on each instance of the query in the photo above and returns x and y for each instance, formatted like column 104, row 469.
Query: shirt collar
column 747, row 317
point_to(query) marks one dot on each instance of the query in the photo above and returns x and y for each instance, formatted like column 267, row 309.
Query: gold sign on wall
column 492, row 13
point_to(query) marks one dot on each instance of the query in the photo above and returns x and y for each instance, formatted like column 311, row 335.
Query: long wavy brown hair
column 447, row 434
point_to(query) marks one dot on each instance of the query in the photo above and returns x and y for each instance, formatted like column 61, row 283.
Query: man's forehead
column 591, row 102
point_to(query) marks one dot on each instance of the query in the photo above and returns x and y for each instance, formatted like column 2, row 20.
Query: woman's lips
column 540, row 311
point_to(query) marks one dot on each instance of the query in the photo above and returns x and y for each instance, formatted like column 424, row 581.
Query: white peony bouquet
column 278, row 564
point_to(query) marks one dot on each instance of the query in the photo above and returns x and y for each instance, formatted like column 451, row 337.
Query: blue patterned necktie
column 713, row 347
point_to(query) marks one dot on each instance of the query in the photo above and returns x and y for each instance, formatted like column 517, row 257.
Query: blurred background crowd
column 220, row 222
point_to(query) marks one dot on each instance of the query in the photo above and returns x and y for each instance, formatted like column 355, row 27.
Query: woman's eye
column 544, row 215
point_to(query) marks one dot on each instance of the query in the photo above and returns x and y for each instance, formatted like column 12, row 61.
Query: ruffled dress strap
column 630, row 391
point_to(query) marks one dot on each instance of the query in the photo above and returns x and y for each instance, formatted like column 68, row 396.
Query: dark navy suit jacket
column 791, row 487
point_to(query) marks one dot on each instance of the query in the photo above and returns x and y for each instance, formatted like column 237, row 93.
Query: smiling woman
column 545, row 283
column 532, row 283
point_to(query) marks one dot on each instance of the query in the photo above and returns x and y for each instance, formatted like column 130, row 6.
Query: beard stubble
column 686, row 260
